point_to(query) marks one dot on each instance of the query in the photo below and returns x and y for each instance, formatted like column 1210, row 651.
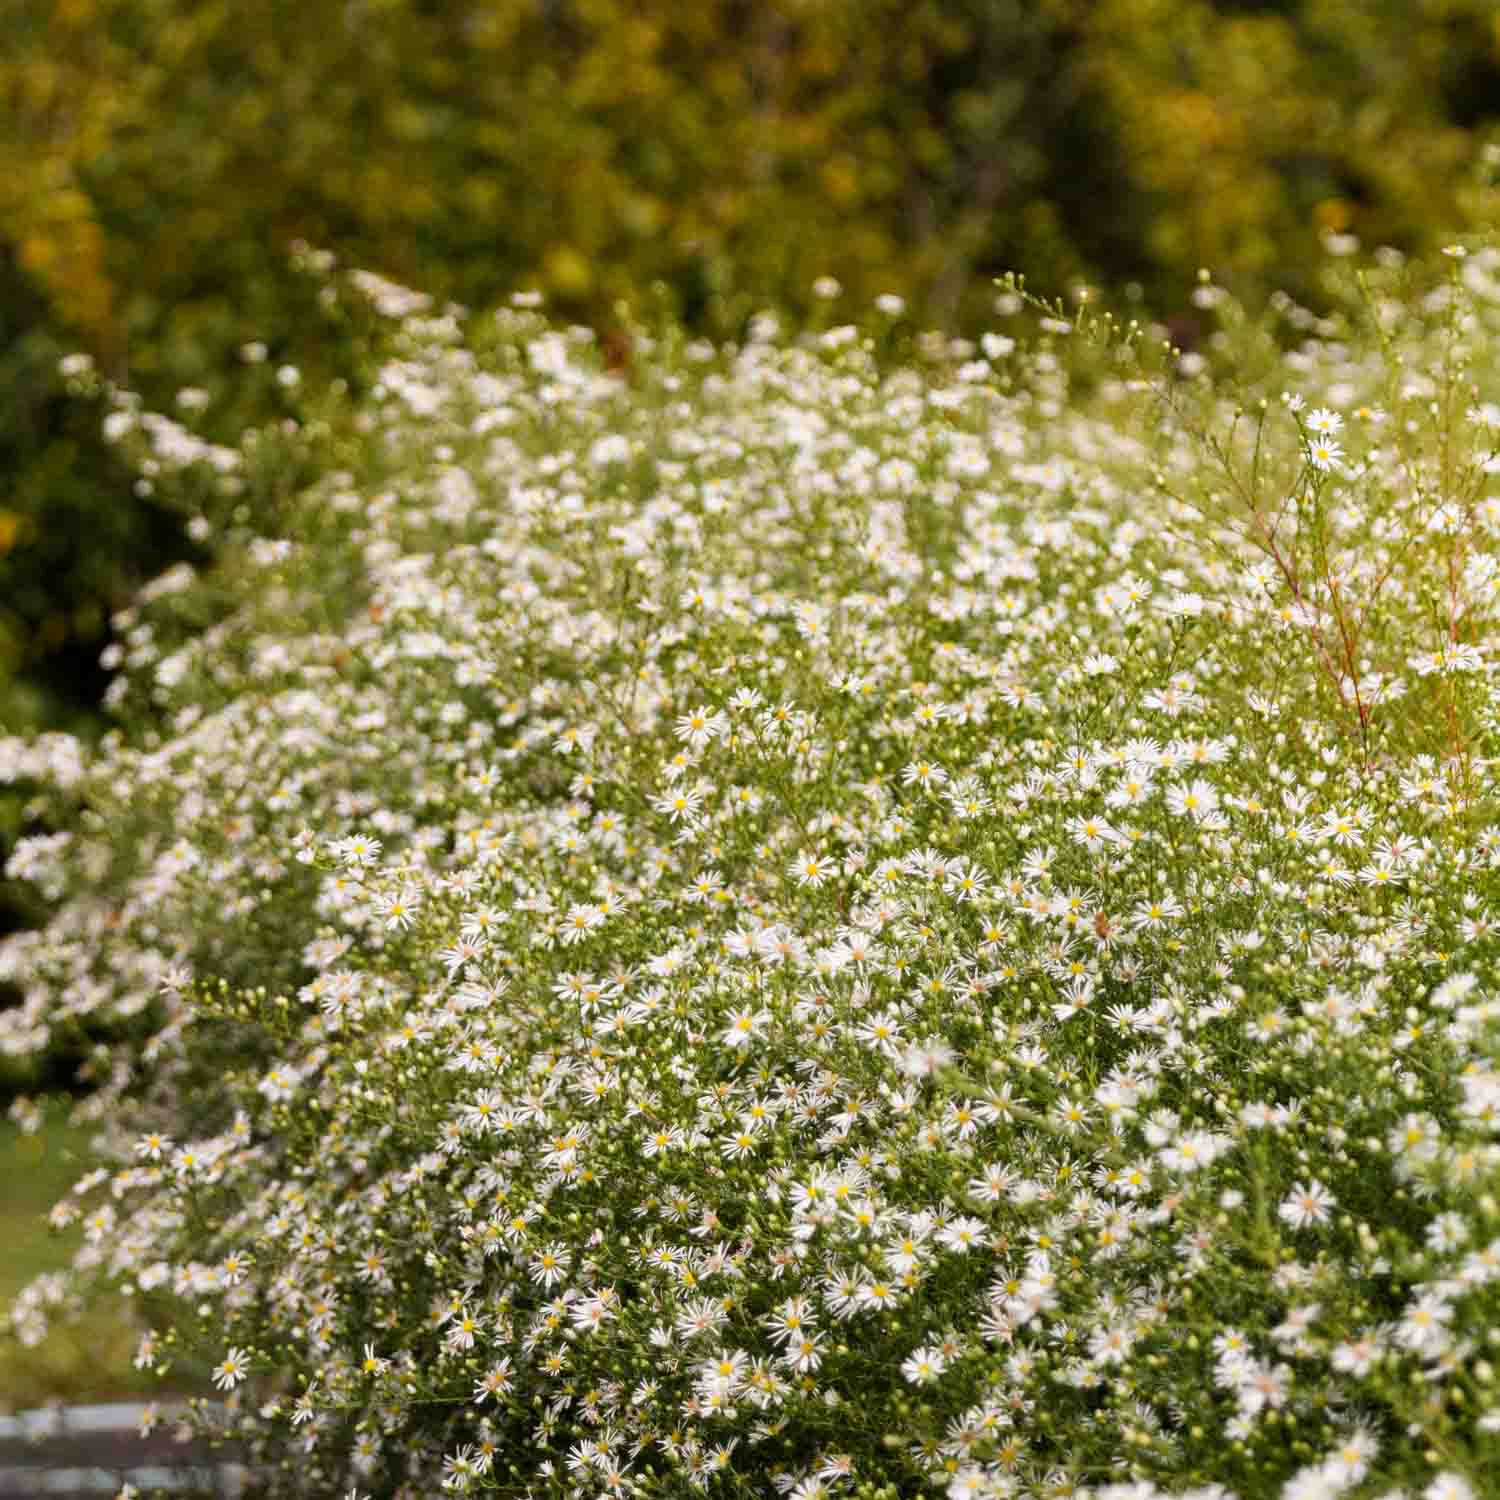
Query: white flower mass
column 817, row 916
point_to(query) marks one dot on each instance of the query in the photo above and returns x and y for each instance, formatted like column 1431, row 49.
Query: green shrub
column 783, row 922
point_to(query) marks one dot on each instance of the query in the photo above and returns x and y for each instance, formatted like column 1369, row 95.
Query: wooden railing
column 93, row 1452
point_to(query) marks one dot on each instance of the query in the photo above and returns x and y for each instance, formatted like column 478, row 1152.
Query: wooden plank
column 91, row 1451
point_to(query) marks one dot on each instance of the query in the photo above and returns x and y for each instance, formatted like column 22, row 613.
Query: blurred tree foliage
column 159, row 155
column 1254, row 126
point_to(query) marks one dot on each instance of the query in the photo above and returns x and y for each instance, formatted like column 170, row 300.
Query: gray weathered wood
column 92, row 1451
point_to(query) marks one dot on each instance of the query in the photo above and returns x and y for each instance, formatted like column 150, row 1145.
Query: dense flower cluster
column 774, row 923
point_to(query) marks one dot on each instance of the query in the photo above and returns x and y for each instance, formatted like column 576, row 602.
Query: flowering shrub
column 782, row 922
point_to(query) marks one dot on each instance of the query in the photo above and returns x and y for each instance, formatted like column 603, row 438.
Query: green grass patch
column 89, row 1358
